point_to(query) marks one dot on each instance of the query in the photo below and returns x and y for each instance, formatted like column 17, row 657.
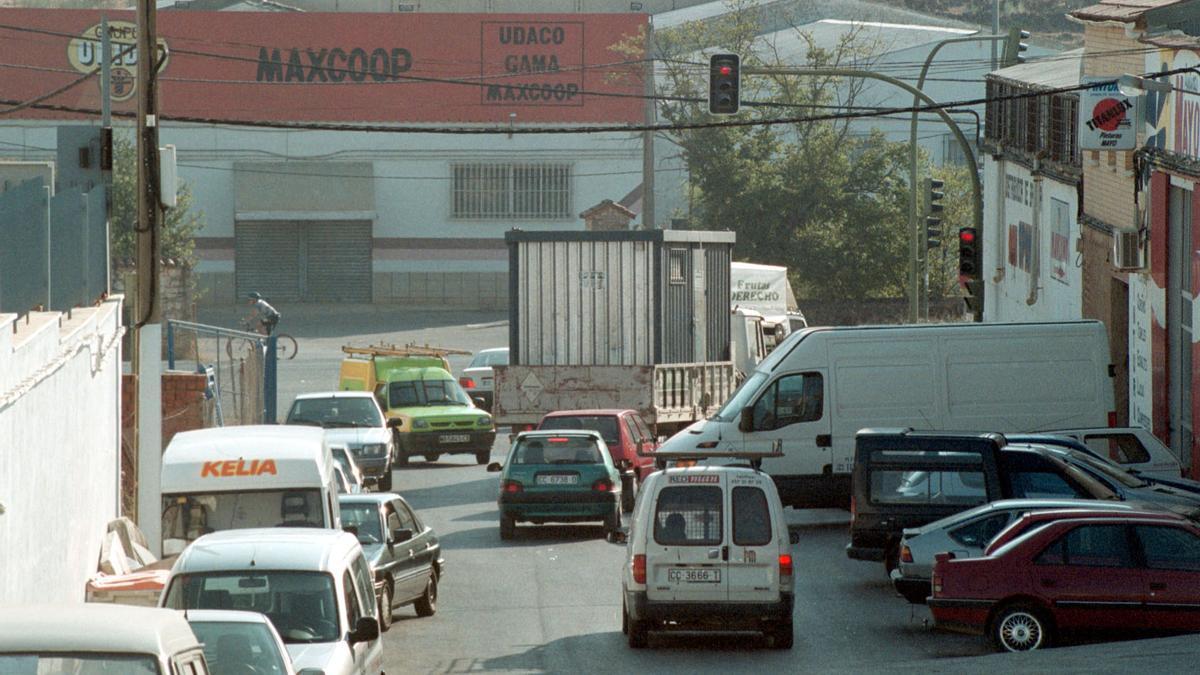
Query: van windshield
column 416, row 393
column 58, row 662
column 301, row 605
column 185, row 517
column 335, row 412
column 741, row 398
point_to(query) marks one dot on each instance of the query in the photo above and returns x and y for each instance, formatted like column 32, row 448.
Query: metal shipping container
column 619, row 298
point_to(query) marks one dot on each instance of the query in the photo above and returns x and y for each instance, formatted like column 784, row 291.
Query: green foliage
column 179, row 223
column 959, row 202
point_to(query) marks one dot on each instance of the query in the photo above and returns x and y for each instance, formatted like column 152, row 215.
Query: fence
column 240, row 367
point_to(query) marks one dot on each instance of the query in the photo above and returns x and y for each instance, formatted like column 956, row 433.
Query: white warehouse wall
column 60, row 439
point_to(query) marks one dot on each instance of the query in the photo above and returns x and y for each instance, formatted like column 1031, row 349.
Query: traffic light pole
column 915, row 237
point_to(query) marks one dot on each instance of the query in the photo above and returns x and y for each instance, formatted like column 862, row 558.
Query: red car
column 625, row 433
column 1106, row 572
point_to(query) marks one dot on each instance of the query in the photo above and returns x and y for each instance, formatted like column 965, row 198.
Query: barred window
column 503, row 191
column 994, row 115
column 1064, row 118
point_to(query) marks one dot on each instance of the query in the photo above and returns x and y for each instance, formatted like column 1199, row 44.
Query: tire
column 782, row 635
column 286, row 345
column 1020, row 628
column 639, row 633
column 385, row 482
column 891, row 559
column 613, row 522
column 432, row 458
column 385, row 608
column 482, row 456
column 508, row 527
column 426, row 605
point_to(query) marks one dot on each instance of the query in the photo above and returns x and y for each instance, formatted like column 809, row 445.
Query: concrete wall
column 59, row 448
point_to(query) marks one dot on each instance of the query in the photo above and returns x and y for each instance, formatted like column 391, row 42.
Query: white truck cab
column 97, row 638
column 246, row 477
column 708, row 549
column 314, row 585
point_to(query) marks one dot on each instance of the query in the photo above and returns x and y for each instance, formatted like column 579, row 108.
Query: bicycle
column 285, row 345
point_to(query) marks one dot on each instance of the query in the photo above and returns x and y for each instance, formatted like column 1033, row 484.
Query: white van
column 822, row 385
column 97, row 638
column 314, row 585
column 708, row 549
column 246, row 476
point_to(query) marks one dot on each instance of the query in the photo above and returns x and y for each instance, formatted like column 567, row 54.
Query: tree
column 179, row 224
column 828, row 204
column 959, row 212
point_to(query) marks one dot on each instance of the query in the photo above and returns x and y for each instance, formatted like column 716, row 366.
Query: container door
column 686, row 548
column 754, row 551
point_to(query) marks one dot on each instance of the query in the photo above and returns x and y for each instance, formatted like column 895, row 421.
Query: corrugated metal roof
column 1125, row 11
column 1052, row 72
column 792, row 44
column 1173, row 41
column 777, row 14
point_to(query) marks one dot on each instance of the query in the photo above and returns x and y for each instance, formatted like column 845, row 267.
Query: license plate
column 703, row 575
column 455, row 438
column 557, row 480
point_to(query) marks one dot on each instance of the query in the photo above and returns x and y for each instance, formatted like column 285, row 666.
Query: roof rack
column 411, row 349
column 755, row 458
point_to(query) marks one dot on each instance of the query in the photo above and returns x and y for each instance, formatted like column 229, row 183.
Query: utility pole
column 147, row 314
column 995, row 28
column 648, row 221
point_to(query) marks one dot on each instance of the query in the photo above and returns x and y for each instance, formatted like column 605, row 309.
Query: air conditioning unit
column 1128, row 253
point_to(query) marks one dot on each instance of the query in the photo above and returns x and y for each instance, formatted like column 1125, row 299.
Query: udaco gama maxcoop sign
column 345, row 67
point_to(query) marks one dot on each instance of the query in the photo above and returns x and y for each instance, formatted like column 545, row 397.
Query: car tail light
column 785, row 565
column 906, row 554
column 512, row 487
column 466, row 382
column 939, row 559
column 937, row 582
column 639, row 568
column 1112, row 418
column 602, row 485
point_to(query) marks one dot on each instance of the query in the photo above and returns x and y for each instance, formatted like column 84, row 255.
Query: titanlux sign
column 1106, row 116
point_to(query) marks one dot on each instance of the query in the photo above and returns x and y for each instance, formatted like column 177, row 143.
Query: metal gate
column 320, row 261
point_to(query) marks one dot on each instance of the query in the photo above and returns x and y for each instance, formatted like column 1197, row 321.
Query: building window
column 507, row 191
column 994, row 114
column 1063, row 121
column 675, row 264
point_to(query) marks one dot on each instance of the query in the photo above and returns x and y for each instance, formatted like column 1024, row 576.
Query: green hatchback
column 558, row 477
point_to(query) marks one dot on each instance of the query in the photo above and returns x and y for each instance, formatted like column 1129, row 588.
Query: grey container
column 619, row 298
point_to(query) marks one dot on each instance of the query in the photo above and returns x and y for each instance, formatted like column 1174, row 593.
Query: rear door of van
column 754, row 547
column 686, row 541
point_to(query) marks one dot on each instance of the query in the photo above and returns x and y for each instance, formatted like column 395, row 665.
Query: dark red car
column 624, row 431
column 1133, row 571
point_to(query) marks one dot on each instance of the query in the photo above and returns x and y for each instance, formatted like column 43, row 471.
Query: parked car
column 1124, row 573
column 708, row 549
column 239, row 643
column 345, row 460
column 1166, row 477
column 353, row 419
column 431, row 416
column 968, row 533
column 558, row 476
column 402, row 551
column 1131, row 447
column 625, row 433
column 97, row 638
column 478, row 377
column 1130, row 486
column 314, row 586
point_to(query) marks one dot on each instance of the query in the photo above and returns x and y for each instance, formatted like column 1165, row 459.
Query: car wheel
column 426, row 605
column 782, row 635
column 613, row 522
column 891, row 559
column 385, row 607
column 432, row 458
column 385, row 481
column 1020, row 628
column 508, row 527
column 482, row 456
column 639, row 633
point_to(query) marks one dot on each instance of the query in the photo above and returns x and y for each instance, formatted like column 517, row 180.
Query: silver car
column 966, row 534
column 477, row 377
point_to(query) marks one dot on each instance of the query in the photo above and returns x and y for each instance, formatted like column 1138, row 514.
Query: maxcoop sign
column 1106, row 117
column 343, row 67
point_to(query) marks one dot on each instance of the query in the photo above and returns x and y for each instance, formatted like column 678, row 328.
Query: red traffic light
column 966, row 236
column 726, row 70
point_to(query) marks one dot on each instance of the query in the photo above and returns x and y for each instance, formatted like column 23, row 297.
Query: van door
column 792, row 410
column 753, row 553
column 686, row 546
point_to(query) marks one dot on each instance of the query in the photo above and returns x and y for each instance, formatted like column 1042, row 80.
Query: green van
column 432, row 416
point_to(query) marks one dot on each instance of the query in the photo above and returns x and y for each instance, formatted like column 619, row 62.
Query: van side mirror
column 746, row 420
column 494, row 467
column 616, row 537
column 401, row 535
column 365, row 630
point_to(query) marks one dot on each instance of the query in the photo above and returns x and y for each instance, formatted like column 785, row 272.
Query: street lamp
column 1136, row 85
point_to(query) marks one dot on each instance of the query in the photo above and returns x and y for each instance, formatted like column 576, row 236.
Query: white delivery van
column 246, row 476
column 821, row 385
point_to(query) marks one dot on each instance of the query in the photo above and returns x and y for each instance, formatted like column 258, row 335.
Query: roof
column 298, row 456
column 226, row 440
column 490, row 350
column 791, row 45
column 1053, row 72
column 673, row 236
column 781, row 14
column 608, row 204
column 225, row 616
column 94, row 627
column 1124, row 11
column 408, row 374
column 335, row 394
column 1073, row 504
column 368, row 498
column 300, row 548
column 556, row 433
column 596, row 412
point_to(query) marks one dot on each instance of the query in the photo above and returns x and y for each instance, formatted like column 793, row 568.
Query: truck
column 763, row 312
column 617, row 319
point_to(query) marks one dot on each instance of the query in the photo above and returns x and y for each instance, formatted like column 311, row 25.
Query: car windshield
column 53, row 663
column 335, row 412
column 185, row 517
column 488, row 359
column 416, row 393
column 605, row 424
column 364, row 519
column 557, row 450
column 741, row 398
column 301, row 605
column 236, row 647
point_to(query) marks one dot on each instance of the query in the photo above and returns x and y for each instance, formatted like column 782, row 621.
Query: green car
column 558, row 476
column 432, row 416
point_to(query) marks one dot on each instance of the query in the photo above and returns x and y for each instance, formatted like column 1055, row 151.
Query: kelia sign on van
column 420, row 68
column 1106, row 116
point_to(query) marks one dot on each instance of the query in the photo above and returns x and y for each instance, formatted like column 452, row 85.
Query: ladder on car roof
column 410, row 349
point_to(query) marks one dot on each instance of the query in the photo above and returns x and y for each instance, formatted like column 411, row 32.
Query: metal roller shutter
column 267, row 260
column 338, row 261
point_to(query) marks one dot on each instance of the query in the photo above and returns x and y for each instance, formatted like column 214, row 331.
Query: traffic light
column 1013, row 47
column 968, row 255
column 933, row 212
column 724, row 84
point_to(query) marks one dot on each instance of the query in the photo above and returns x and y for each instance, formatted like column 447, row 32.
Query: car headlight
column 420, row 424
column 374, row 448
column 485, row 421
